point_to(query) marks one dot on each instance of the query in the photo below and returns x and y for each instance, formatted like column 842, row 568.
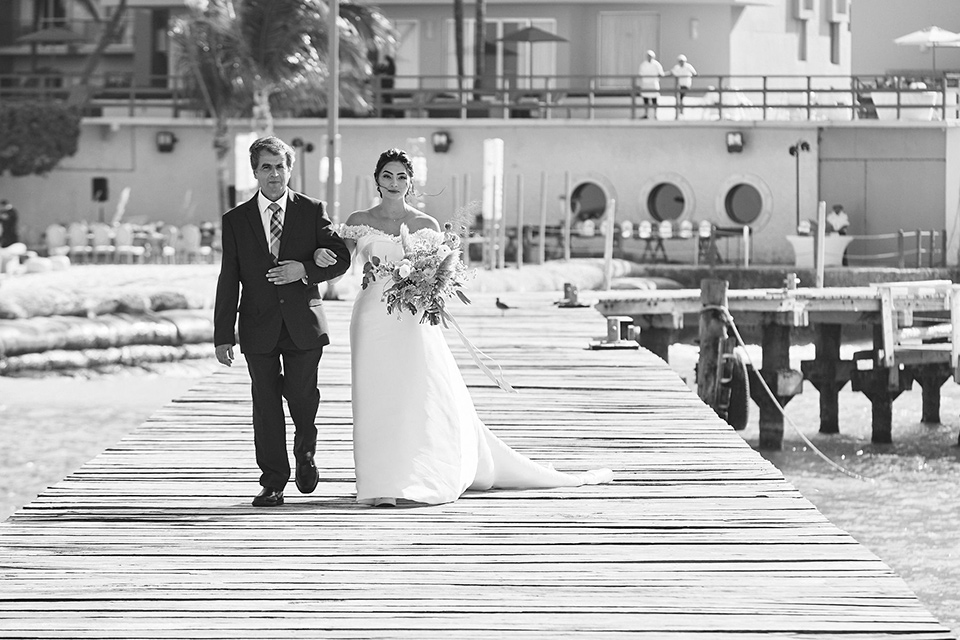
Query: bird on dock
column 503, row 306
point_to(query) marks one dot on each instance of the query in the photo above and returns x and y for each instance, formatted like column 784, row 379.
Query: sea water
column 899, row 500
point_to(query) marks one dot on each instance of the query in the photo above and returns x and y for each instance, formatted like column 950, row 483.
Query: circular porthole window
column 667, row 197
column 588, row 202
column 743, row 203
column 746, row 200
column 666, row 202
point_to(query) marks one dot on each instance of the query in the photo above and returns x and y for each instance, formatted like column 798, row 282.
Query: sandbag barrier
column 49, row 301
column 62, row 342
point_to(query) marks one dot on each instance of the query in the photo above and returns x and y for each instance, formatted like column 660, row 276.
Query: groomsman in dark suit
column 269, row 277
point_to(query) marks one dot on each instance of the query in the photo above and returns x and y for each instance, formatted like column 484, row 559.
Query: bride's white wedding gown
column 416, row 433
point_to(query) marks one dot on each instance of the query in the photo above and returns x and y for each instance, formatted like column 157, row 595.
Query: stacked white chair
column 79, row 242
column 55, row 239
column 102, row 242
column 126, row 248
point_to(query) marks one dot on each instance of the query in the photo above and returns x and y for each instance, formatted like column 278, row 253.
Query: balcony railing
column 791, row 98
column 113, row 93
column 711, row 98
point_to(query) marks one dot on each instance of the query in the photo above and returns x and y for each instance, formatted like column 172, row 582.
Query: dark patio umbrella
column 50, row 35
column 532, row 35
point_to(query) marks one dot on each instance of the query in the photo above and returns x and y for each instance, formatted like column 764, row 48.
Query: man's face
column 272, row 175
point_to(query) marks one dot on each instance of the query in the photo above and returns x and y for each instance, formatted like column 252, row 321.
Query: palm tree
column 81, row 92
column 267, row 56
column 479, row 43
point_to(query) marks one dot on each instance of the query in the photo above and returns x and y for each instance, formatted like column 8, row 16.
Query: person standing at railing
column 650, row 72
column 684, row 72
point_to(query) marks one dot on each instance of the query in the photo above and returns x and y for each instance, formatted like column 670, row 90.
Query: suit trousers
column 295, row 380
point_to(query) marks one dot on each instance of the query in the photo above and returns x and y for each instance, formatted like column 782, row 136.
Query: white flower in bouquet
column 430, row 273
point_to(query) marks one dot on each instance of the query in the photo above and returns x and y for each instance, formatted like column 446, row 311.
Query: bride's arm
column 325, row 258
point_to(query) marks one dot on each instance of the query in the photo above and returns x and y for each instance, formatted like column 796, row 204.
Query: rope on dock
column 728, row 318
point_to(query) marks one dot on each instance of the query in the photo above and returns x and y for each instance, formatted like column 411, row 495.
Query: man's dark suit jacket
column 263, row 305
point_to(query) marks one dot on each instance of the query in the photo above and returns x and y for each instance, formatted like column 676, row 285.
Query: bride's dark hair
column 394, row 155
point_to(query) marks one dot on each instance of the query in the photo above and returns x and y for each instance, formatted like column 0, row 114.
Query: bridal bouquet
column 429, row 274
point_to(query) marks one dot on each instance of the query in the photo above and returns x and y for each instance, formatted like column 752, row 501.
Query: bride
column 416, row 432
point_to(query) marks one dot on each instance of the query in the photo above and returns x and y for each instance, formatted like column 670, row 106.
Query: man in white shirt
column 650, row 72
column 837, row 220
column 684, row 72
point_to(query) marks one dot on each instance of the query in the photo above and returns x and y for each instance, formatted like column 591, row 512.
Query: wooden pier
column 699, row 537
column 900, row 355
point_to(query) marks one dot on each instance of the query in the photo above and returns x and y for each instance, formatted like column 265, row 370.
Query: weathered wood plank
column 698, row 538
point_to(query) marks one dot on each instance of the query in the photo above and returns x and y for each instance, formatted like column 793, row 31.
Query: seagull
column 503, row 306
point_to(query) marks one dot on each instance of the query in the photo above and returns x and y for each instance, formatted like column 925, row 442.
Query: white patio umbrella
column 931, row 37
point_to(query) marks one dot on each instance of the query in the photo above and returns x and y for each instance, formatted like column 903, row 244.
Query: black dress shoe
column 307, row 475
column 269, row 498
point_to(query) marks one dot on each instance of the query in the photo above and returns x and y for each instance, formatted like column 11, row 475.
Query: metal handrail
column 726, row 97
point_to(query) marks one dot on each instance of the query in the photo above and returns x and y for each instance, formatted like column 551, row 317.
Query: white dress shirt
column 684, row 74
column 650, row 72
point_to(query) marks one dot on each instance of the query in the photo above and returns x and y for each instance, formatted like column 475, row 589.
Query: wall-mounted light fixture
column 795, row 150
column 694, row 29
column 166, row 141
column 734, row 141
column 303, row 147
column 441, row 141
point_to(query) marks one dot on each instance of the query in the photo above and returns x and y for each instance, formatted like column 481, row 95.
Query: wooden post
column 746, row 246
column 502, row 239
column 919, row 248
column 713, row 333
column 943, row 247
column 875, row 384
column 931, row 377
column 608, row 244
column 775, row 361
column 519, row 221
column 821, row 234
column 901, row 249
column 542, row 253
column 827, row 344
column 567, row 214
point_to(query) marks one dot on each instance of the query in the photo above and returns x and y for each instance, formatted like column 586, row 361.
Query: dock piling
column 713, row 334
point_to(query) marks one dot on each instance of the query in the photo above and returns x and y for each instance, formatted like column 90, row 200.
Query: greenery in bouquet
column 429, row 273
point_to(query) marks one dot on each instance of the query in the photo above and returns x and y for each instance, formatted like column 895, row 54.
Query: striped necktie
column 276, row 229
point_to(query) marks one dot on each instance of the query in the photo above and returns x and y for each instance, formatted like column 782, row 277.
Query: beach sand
column 51, row 425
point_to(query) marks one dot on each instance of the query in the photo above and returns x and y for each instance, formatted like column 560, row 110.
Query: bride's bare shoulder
column 423, row 221
column 361, row 217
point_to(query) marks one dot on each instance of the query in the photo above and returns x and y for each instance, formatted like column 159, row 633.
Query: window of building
column 835, row 35
column 666, row 202
column 802, row 40
column 49, row 13
column 506, row 64
column 743, row 203
column 588, row 202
